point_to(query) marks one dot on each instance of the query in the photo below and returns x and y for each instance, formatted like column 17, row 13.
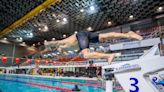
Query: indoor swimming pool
column 14, row 83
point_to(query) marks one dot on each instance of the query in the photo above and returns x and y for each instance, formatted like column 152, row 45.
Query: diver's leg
column 112, row 35
column 70, row 40
column 94, row 55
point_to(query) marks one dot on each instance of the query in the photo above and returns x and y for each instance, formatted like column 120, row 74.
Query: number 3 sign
column 134, row 84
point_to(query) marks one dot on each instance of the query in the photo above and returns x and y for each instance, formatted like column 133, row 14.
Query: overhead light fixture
column 64, row 19
column 92, row 8
column 45, row 41
column 39, row 28
column 160, row 9
column 33, row 44
column 57, row 20
column 45, row 29
column 20, row 39
column 131, row 17
column 64, row 36
column 4, row 38
column 89, row 29
column 75, row 32
column 29, row 35
column 53, row 39
column 82, row 10
column 54, row 15
column 109, row 23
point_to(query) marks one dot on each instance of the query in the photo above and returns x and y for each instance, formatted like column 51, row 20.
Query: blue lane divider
column 38, row 85
column 16, row 77
column 42, row 79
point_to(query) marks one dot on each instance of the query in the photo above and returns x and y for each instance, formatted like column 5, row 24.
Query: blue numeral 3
column 134, row 85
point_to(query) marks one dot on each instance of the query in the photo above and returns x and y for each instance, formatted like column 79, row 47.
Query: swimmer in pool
column 82, row 39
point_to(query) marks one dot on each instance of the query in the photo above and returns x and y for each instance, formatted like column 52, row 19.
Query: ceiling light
column 54, row 15
column 109, row 23
column 20, row 39
column 39, row 28
column 29, row 35
column 92, row 8
column 64, row 19
column 89, row 29
column 64, row 36
column 75, row 32
column 160, row 9
column 53, row 39
column 45, row 41
column 131, row 17
column 33, row 44
column 4, row 38
column 82, row 10
column 57, row 20
column 45, row 29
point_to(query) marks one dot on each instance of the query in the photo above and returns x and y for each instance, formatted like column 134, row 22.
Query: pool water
column 37, row 84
